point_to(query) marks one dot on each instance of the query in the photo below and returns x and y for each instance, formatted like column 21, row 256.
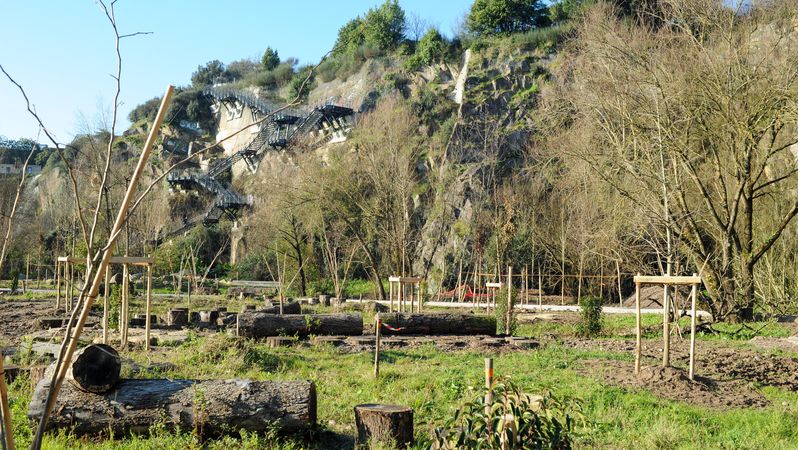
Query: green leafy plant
column 514, row 420
column 590, row 321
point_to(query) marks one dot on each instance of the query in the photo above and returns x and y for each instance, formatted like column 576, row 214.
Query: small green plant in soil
column 514, row 420
column 591, row 318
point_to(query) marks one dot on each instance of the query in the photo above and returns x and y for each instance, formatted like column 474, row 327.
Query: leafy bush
column 590, row 322
column 501, row 310
column 297, row 83
column 489, row 17
column 515, row 420
column 382, row 28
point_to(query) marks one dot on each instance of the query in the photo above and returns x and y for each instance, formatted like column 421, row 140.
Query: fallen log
column 255, row 324
column 438, row 324
column 288, row 308
column 211, row 408
column 95, row 368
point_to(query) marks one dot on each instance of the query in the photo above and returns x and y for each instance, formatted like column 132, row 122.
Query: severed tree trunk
column 379, row 426
column 211, row 408
column 439, row 324
column 255, row 324
column 95, row 368
column 288, row 308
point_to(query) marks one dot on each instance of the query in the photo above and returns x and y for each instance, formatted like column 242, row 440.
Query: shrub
column 536, row 422
column 501, row 311
column 270, row 59
column 590, row 322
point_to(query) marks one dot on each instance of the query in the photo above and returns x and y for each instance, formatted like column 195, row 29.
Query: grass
column 434, row 384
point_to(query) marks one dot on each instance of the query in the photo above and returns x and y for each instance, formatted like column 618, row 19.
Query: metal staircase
column 274, row 134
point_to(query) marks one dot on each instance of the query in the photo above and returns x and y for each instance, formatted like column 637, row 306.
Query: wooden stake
column 620, row 293
column 390, row 294
column 8, row 431
column 666, row 326
column 540, row 289
column 488, row 384
column 106, row 305
column 66, row 356
column 509, row 314
column 400, row 300
column 57, row 284
column 377, row 335
column 638, row 338
column 693, row 295
column 125, row 305
column 147, row 324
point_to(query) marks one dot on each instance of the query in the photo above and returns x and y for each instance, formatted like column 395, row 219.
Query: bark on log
column 439, row 324
column 381, row 425
column 95, row 368
column 288, row 308
column 211, row 408
column 254, row 324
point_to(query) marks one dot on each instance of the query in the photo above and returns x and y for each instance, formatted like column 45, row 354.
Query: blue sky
column 62, row 51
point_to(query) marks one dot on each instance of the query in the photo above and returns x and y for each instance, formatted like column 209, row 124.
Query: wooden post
column 400, row 300
column 509, row 313
column 526, row 284
column 620, row 293
column 66, row 356
column 638, row 331
column 8, row 434
column 488, row 384
column 124, row 308
column 390, row 294
column 540, row 289
column 106, row 295
column 71, row 286
column 57, row 284
column 147, row 320
column 693, row 295
column 666, row 325
column 377, row 335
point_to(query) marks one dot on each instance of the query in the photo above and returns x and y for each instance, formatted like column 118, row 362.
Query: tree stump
column 324, row 300
column 95, row 368
column 383, row 425
column 177, row 317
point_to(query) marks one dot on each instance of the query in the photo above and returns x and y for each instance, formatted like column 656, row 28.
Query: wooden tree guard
column 666, row 281
column 402, row 283
column 124, row 314
column 491, row 300
column 381, row 425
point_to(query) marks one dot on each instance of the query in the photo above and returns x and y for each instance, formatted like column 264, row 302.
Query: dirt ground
column 726, row 376
column 19, row 317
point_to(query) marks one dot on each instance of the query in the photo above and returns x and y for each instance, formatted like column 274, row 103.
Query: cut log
column 439, row 324
column 383, row 425
column 288, row 308
column 254, row 324
column 177, row 317
column 212, row 408
column 95, row 368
